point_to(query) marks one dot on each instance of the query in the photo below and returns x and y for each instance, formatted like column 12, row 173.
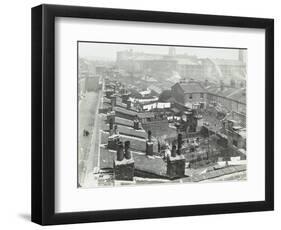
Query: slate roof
column 129, row 131
column 216, row 173
column 231, row 93
column 120, row 104
column 125, row 111
column 156, row 166
column 192, row 87
column 123, row 121
column 146, row 115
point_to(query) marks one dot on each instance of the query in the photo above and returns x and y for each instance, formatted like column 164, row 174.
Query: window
column 190, row 96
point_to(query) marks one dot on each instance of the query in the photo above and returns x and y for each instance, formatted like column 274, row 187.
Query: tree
column 165, row 95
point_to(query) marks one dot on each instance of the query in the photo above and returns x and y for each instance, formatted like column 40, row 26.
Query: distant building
column 227, row 68
column 189, row 67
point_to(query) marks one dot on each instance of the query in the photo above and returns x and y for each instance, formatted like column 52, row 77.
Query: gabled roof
column 191, row 87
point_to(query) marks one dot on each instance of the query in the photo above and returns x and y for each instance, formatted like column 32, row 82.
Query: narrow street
column 93, row 159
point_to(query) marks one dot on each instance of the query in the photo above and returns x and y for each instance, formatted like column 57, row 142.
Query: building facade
column 189, row 93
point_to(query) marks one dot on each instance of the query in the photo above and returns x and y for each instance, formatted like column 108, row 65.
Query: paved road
column 87, row 112
column 93, row 161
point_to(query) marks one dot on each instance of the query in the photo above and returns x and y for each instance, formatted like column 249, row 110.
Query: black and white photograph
column 140, row 114
column 160, row 114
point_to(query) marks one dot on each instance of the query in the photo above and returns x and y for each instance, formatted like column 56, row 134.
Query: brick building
column 189, row 93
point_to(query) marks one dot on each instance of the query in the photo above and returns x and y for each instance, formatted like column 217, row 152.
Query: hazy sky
column 108, row 51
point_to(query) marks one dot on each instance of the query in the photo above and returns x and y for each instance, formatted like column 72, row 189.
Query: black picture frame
column 43, row 113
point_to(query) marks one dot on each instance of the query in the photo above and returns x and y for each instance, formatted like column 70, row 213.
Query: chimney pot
column 128, row 154
column 174, row 151
column 179, row 143
column 120, row 153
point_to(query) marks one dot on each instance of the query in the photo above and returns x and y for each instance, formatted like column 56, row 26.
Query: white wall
column 15, row 114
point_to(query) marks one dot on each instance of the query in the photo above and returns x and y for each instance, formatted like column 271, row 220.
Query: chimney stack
column 111, row 122
column 111, row 115
column 123, row 169
column 136, row 123
column 116, row 132
column 176, row 164
column 149, row 145
column 120, row 153
column 128, row 154
column 179, row 143
column 149, row 135
column 113, row 101
column 128, row 104
column 174, row 150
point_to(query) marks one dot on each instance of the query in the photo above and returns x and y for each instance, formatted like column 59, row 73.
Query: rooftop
column 237, row 94
column 191, row 86
column 123, row 121
column 146, row 115
column 125, row 111
column 129, row 131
